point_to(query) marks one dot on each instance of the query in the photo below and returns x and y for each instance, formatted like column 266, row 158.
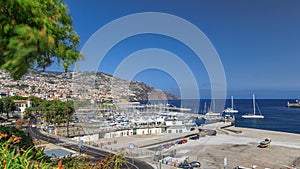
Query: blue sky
column 258, row 41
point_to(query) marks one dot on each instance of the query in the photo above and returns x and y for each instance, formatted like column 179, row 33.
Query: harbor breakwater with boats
column 277, row 116
column 146, row 131
column 174, row 116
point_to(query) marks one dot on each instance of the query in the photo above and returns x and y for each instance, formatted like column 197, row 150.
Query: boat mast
column 214, row 104
column 232, row 102
column 204, row 110
column 253, row 104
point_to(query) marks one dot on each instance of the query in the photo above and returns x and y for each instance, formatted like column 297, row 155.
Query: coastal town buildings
column 94, row 86
column 22, row 105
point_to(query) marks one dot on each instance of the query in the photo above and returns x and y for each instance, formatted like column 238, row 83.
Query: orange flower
column 16, row 139
column 3, row 135
column 10, row 139
column 60, row 165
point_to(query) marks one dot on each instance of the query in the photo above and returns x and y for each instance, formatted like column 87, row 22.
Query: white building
column 3, row 94
column 22, row 105
column 134, row 131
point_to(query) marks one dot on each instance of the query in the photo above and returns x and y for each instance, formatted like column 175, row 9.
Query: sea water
column 277, row 116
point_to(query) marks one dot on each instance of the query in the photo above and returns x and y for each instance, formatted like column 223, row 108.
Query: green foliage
column 1, row 106
column 18, row 98
column 35, row 101
column 11, row 157
column 111, row 162
column 26, row 140
column 28, row 111
column 8, row 106
column 116, row 161
column 35, row 33
column 76, row 163
column 54, row 111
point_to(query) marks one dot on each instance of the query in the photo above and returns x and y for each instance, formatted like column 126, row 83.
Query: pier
column 293, row 105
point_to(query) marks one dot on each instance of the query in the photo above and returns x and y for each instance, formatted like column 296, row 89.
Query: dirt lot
column 242, row 150
column 245, row 155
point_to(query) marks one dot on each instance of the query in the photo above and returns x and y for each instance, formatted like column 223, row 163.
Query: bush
column 26, row 140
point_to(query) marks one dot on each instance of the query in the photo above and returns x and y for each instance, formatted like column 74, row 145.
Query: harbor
column 240, row 147
column 167, row 137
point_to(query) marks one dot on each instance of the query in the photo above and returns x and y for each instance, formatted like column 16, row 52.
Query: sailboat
column 210, row 115
column 231, row 109
column 253, row 116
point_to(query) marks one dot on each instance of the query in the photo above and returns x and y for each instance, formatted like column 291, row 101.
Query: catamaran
column 253, row 116
column 231, row 109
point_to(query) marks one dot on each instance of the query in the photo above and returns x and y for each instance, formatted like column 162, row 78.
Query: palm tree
column 35, row 102
column 69, row 111
column 27, row 112
column 57, row 107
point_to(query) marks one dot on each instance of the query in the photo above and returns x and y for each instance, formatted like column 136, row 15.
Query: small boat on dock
column 265, row 143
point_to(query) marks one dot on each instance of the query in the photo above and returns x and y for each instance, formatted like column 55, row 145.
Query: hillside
column 87, row 85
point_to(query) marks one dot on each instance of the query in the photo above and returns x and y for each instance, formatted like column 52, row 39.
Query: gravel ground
column 242, row 150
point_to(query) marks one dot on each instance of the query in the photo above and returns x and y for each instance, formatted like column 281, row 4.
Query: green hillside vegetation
column 17, row 151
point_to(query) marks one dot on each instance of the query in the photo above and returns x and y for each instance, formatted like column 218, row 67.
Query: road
column 93, row 152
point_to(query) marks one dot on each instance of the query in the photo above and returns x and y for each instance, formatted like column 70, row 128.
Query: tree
column 34, row 34
column 1, row 106
column 28, row 112
column 18, row 98
column 35, row 102
column 69, row 111
column 8, row 106
column 43, row 108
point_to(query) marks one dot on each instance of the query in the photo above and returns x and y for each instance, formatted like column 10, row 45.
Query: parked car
column 195, row 164
column 183, row 141
column 95, row 145
column 185, row 165
column 194, row 137
column 165, row 146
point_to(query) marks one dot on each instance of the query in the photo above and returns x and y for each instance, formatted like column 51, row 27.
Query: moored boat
column 254, row 115
column 231, row 109
column 293, row 105
column 265, row 143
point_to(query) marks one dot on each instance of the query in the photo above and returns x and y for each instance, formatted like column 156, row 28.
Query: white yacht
column 254, row 115
column 231, row 109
